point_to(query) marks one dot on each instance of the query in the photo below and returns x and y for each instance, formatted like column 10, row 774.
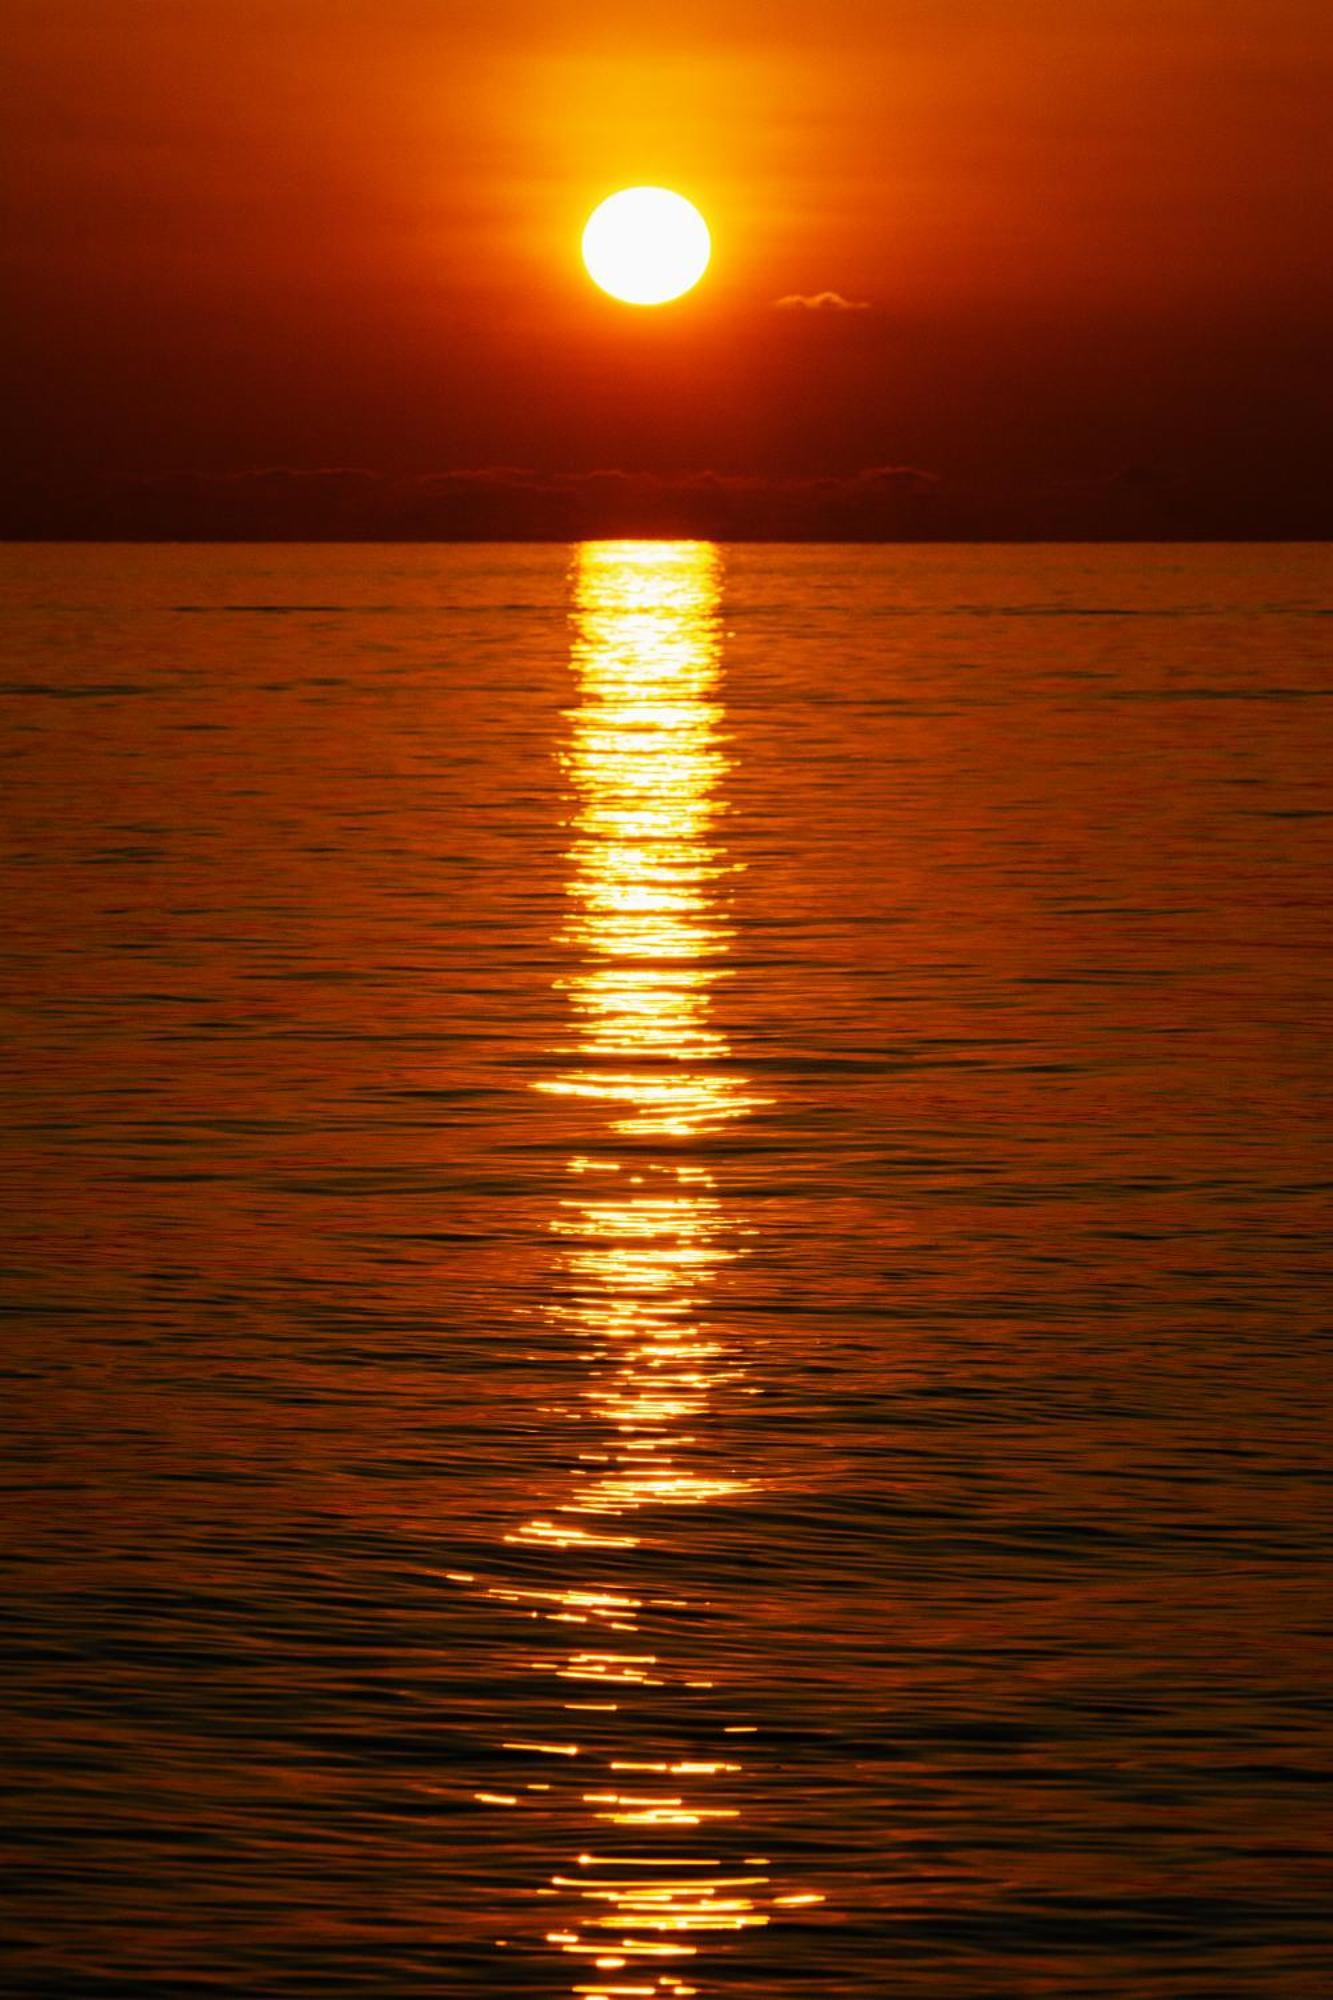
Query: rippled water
column 667, row 1219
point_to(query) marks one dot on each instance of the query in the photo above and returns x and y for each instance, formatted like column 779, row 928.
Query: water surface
column 667, row 1271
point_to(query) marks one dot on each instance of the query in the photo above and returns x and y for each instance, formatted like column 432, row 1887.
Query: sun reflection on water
column 644, row 761
column 644, row 1237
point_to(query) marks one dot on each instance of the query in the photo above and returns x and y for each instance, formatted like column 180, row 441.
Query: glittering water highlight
column 642, row 1233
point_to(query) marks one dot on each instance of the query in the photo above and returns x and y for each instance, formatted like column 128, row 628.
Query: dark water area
column 667, row 1272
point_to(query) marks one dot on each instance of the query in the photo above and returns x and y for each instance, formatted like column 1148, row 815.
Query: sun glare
column 646, row 246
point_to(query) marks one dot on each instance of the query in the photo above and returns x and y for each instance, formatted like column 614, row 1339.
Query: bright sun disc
column 646, row 245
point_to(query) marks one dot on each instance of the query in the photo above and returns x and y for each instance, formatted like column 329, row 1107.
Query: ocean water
column 667, row 1259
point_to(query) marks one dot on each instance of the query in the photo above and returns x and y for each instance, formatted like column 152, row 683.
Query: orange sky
column 313, row 233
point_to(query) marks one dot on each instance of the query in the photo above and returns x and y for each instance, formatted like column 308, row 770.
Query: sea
column 667, row 1261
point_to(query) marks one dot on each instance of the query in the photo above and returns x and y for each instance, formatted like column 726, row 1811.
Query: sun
column 646, row 246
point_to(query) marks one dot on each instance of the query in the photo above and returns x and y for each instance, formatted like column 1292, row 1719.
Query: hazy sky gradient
column 344, row 233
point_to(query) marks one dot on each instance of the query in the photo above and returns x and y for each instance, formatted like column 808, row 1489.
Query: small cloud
column 820, row 302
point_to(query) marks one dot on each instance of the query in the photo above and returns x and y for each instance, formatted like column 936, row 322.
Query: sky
column 980, row 267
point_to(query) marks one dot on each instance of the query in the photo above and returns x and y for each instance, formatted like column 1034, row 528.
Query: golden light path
column 644, row 1239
